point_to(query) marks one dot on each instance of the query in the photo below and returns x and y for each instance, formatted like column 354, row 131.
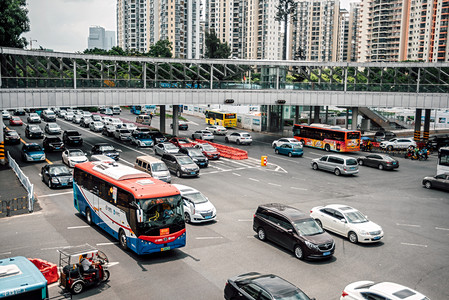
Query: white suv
column 397, row 143
column 197, row 208
column 239, row 138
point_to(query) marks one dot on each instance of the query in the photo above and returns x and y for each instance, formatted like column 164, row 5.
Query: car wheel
column 237, row 142
column 122, row 239
column 187, row 217
column 361, row 162
column 50, row 185
column 352, row 237
column 428, row 185
column 275, row 145
column 276, row 151
column 88, row 216
column 77, row 288
column 315, row 166
column 303, row 143
column 226, row 140
column 261, row 234
column 327, row 148
column 289, row 154
column 337, row 172
column 178, row 173
column 319, row 223
column 380, row 166
column 389, row 148
column 298, row 252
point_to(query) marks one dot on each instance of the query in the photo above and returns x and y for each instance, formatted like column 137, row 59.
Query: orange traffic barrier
column 48, row 269
column 227, row 151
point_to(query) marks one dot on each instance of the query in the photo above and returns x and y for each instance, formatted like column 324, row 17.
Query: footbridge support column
column 175, row 120
column 355, row 115
column 316, row 114
column 418, row 114
column 426, row 124
column 162, row 118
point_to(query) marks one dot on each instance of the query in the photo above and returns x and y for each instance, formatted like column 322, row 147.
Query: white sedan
column 130, row 126
column 347, row 221
column 96, row 126
column 71, row 157
column 217, row 129
column 197, row 208
column 362, row 290
column 282, row 141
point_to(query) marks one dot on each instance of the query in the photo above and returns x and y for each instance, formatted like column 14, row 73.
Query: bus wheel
column 88, row 216
column 327, row 148
column 122, row 239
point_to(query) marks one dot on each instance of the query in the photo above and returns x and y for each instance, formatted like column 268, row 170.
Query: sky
column 63, row 25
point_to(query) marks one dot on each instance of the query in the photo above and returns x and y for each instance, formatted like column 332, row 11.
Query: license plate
column 165, row 248
column 192, row 173
column 326, row 253
column 376, row 238
column 352, row 168
column 63, row 184
column 394, row 163
column 57, row 148
column 208, row 217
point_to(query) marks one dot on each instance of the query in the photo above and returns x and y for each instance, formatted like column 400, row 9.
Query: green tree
column 13, row 22
column 286, row 12
column 215, row 48
column 162, row 48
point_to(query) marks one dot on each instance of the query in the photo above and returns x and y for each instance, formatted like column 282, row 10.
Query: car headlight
column 311, row 245
column 70, row 179
column 54, row 180
column 183, row 169
column 363, row 232
column 142, row 143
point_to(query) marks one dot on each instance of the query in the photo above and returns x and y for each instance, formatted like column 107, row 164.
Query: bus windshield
column 161, row 211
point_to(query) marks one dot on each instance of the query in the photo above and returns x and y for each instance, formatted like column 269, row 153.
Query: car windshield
column 185, row 160
column 53, row 125
column 34, row 148
column 246, row 135
column 53, row 140
column 16, row 118
column 96, row 117
column 33, row 115
column 170, row 146
column 351, row 162
column 196, row 198
column 308, row 227
column 355, row 217
column 124, row 131
column 158, row 211
column 297, row 147
column 208, row 147
column 159, row 167
column 142, row 135
column 195, row 152
column 72, row 133
column 76, row 153
column 388, row 158
column 291, row 295
column 183, row 141
column 35, row 128
column 59, row 171
column 98, row 124
column 11, row 133
column 107, row 148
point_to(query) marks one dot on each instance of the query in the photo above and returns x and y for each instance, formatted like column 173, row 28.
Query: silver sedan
column 163, row 148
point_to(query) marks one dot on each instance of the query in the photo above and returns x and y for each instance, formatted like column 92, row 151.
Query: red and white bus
column 329, row 138
column 146, row 215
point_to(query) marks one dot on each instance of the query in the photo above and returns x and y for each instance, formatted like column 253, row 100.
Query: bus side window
column 95, row 182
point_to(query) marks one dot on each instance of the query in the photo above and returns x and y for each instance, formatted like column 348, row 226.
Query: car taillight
column 311, row 211
column 344, row 294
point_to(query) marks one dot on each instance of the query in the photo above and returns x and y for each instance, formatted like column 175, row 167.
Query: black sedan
column 259, row 286
column 440, row 181
column 380, row 161
column 11, row 137
column 57, row 175
column 33, row 131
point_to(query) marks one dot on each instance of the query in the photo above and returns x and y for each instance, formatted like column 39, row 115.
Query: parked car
column 96, row 126
column 197, row 207
column 384, row 135
column 362, row 290
column 239, row 138
column 141, row 139
column 52, row 128
column 181, row 165
column 108, row 130
column 71, row 157
column 85, row 121
column 106, row 149
column 34, row 118
column 163, row 148
column 203, row 135
column 130, row 126
column 181, row 142
column 153, row 166
column 282, row 141
column 69, row 116
column 208, row 150
column 48, row 116
column 32, row 152
column 182, row 125
column 122, row 134
column 338, row 164
column 290, row 149
column 72, row 137
column 254, row 285
column 397, row 144
column 348, row 222
column 293, row 230
column 15, row 121
column 57, row 175
column 11, row 137
column 33, row 131
column 440, row 181
column 53, row 143
column 217, row 129
column 380, row 161
column 196, row 155
column 6, row 115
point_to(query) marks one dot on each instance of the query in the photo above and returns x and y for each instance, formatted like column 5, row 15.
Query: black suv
column 293, row 230
column 105, row 149
column 33, row 131
column 181, row 165
column 195, row 154
column 53, row 143
column 72, row 137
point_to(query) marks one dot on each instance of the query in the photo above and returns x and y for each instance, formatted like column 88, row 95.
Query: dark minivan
column 294, row 230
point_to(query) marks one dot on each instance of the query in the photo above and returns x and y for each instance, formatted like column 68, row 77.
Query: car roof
column 396, row 290
column 288, row 211
column 184, row 189
column 342, row 207
column 275, row 285
column 340, row 156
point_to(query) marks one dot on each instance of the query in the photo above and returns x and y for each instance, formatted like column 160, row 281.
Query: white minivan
column 153, row 166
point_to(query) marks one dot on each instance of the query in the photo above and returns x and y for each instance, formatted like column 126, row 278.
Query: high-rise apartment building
column 100, row 38
column 316, row 29
column 353, row 34
column 343, row 36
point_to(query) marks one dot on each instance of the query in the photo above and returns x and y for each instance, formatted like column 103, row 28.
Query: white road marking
column 55, row 248
column 40, row 175
column 254, row 179
column 408, row 225
column 297, row 188
column 107, row 244
column 245, row 220
column 317, row 154
column 78, row 227
column 440, row 228
column 111, row 264
column 191, row 122
column 5, row 253
column 236, row 174
column 274, row 184
column 418, row 245
column 278, row 169
column 53, row 195
column 209, row 237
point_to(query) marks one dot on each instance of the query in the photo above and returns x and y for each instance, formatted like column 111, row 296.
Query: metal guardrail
column 24, row 180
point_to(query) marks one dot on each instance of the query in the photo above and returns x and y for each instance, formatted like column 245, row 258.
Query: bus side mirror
column 139, row 216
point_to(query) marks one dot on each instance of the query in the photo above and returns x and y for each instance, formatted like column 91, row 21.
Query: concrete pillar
column 281, row 118
column 162, row 118
column 355, row 114
column 296, row 114
column 347, row 119
column 326, row 119
column 426, row 124
column 310, row 114
column 418, row 114
column 316, row 114
column 175, row 120
column 2, row 145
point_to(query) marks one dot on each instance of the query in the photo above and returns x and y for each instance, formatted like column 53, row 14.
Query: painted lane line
column 245, row 220
column 317, row 154
column 113, row 263
column 279, row 168
column 254, row 179
column 408, row 225
column 441, row 228
column 236, row 174
column 107, row 244
column 78, row 227
column 297, row 188
column 274, row 184
column 209, row 237
column 5, row 253
column 56, row 248
column 417, row 245
column 125, row 161
column 53, row 195
column 191, row 122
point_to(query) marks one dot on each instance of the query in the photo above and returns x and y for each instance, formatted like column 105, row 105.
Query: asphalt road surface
column 414, row 251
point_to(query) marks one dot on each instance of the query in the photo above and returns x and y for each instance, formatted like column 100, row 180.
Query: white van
column 153, row 166
column 143, row 119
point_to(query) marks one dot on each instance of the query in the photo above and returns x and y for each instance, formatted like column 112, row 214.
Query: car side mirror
column 343, row 220
column 290, row 231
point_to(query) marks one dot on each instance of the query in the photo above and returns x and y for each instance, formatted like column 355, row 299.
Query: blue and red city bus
column 146, row 215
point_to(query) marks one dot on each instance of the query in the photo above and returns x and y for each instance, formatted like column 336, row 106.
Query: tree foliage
column 13, row 22
column 215, row 48
column 162, row 48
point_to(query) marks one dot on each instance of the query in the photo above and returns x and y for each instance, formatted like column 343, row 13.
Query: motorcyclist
column 88, row 266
